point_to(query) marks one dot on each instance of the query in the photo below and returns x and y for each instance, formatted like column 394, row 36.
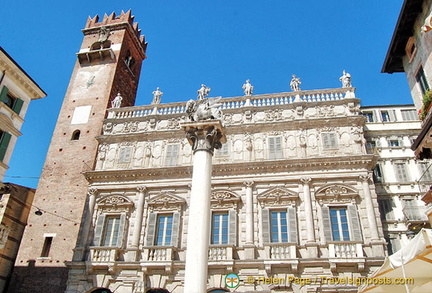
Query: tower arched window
column 129, row 60
column 76, row 135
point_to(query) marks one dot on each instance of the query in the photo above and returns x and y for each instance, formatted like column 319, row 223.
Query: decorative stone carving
column 295, row 83
column 173, row 123
column 116, row 102
column 248, row 88
column 248, row 183
column 92, row 191
column 131, row 126
column 203, row 92
column 157, row 94
column 365, row 178
column 224, row 199
column 345, row 79
column 277, row 197
column 166, row 202
column 104, row 34
column 107, row 128
column 118, row 203
column 273, row 115
column 306, row 180
column 203, row 109
column 336, row 193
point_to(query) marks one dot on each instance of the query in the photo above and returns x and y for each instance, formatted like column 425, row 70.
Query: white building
column 293, row 197
column 399, row 177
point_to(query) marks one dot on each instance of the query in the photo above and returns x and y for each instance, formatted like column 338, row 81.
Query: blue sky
column 220, row 43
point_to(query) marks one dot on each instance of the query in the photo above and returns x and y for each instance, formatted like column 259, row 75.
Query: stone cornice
column 232, row 169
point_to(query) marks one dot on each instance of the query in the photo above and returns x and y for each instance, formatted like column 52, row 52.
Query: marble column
column 79, row 251
column 141, row 190
column 204, row 136
column 249, row 247
column 311, row 244
column 369, row 207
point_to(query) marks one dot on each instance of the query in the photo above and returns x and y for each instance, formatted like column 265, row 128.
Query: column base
column 249, row 251
column 312, row 249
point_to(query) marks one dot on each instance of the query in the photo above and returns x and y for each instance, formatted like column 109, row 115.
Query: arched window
column 76, row 135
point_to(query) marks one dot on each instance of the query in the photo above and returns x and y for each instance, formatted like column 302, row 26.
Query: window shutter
column 175, row 229
column 151, row 229
column 172, row 154
column 326, row 140
column 122, row 231
column 4, row 144
column 99, row 229
column 326, row 223
column 272, row 153
column 17, row 106
column 265, row 225
column 292, row 218
column 232, row 225
column 392, row 115
column 355, row 224
column 3, row 94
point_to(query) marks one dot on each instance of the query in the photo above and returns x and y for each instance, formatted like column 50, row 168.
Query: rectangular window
column 409, row 115
column 394, row 143
column 222, row 152
column 329, row 140
column 386, row 209
column 425, row 172
column 46, row 247
column 339, row 224
column 279, row 227
column 422, row 81
column 111, row 231
column 172, row 155
column 125, row 155
column 401, row 172
column 219, row 228
column 377, row 174
column 275, row 148
column 385, row 116
column 164, row 230
column 369, row 116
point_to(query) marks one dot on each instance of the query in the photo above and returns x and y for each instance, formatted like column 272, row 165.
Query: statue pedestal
column 204, row 136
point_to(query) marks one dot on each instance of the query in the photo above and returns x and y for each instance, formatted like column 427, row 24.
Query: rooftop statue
column 295, row 83
column 116, row 102
column 204, row 109
column 203, row 92
column 248, row 88
column 345, row 79
column 157, row 94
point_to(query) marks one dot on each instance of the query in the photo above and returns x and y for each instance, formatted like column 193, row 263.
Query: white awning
column 411, row 267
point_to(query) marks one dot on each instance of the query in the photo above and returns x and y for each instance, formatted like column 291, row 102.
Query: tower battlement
column 112, row 20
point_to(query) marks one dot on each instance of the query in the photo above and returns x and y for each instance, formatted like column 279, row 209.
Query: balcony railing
column 220, row 252
column 281, row 251
column 158, row 253
column 345, row 250
column 103, row 254
column 237, row 102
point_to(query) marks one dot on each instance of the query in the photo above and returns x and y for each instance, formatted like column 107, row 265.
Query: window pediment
column 166, row 202
column 116, row 203
column 277, row 196
column 224, row 198
column 336, row 193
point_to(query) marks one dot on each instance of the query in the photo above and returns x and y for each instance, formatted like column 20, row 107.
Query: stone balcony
column 280, row 251
column 346, row 253
column 221, row 252
column 158, row 254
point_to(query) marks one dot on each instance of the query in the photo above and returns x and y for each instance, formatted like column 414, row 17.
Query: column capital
column 306, row 180
column 204, row 135
column 92, row 191
column 141, row 188
column 248, row 183
column 365, row 178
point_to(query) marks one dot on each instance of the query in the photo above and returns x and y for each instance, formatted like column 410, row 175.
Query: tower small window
column 129, row 60
column 46, row 247
column 76, row 135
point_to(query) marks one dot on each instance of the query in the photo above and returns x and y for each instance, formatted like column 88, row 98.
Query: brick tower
column 108, row 62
